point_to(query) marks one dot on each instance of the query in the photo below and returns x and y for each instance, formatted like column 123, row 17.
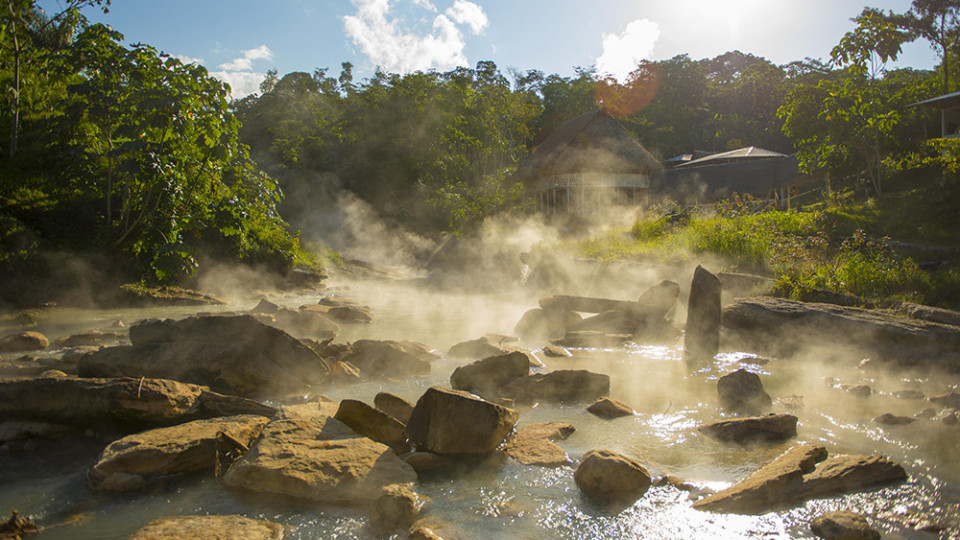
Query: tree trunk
column 15, row 103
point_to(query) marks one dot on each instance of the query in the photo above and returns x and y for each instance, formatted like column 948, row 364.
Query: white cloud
column 468, row 13
column 622, row 53
column 245, row 62
column 390, row 46
column 242, row 83
column 188, row 59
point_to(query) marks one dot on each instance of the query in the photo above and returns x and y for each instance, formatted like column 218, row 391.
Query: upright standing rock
column 702, row 335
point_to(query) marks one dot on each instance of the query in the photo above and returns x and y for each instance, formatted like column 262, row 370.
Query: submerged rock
column 607, row 475
column 803, row 472
column 609, row 409
column 742, row 392
column 702, row 333
column 950, row 400
column 454, row 422
column 133, row 461
column 556, row 351
column 209, row 528
column 485, row 377
column 860, row 390
column 24, row 342
column 478, row 348
column 397, row 509
column 843, row 526
column 533, row 444
column 888, row 419
column 319, row 459
column 234, row 354
column 769, row 428
column 558, row 386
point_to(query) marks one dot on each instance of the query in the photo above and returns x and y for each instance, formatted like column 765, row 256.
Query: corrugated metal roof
column 748, row 153
column 940, row 102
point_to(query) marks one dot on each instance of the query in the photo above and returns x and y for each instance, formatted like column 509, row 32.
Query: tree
column 936, row 21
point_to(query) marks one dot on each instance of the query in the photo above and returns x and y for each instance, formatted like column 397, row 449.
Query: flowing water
column 503, row 499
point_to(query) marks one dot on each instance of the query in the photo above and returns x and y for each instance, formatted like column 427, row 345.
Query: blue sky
column 239, row 40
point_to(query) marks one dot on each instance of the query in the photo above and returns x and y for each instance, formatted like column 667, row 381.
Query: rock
column 593, row 339
column 321, row 407
column 932, row 314
column 745, row 284
column 17, row 526
column 796, row 476
column 397, row 509
column 209, row 528
column 266, row 307
column 24, row 341
column 609, row 322
column 702, row 334
column 374, row 424
column 556, row 351
column 548, row 323
column 951, row 400
column 428, row 462
column 533, row 445
column 663, row 295
column 843, row 526
column 477, row 348
column 233, row 354
column 215, row 404
column 344, row 372
column 318, row 459
column 780, row 327
column 135, row 295
column 609, row 409
column 927, row 413
column 353, row 314
column 305, row 324
column 394, row 405
column 599, row 305
column 390, row 358
column 485, row 377
column 888, row 419
column 454, row 422
column 90, row 401
column 606, row 475
column 860, row 390
column 909, row 393
column 948, row 417
column 430, row 528
column 558, row 386
column 742, row 392
column 88, row 339
column 773, row 485
column 159, row 452
column 769, row 428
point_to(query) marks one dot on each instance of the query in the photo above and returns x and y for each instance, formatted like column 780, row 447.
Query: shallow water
column 503, row 499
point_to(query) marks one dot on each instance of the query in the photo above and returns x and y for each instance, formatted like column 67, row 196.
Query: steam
column 622, row 53
column 388, row 45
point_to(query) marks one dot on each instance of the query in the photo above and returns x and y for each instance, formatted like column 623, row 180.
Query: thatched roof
column 590, row 143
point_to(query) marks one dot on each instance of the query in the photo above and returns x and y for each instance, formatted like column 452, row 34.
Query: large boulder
column 394, row 405
column 781, row 327
column 663, row 295
column 843, row 526
column 23, row 342
column 608, row 409
column 209, row 528
column 390, row 358
column 319, row 459
column 769, row 428
column 610, row 322
column 742, row 392
column 124, row 402
column 455, row 422
column 702, row 333
column 485, row 377
column 88, row 339
column 533, row 444
column 547, row 323
column 232, row 354
column 607, row 475
column 478, row 348
column 801, row 473
column 588, row 304
column 374, row 424
column 558, row 386
column 131, row 462
column 305, row 324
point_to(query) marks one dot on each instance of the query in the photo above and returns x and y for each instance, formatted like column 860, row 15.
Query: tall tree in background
column 937, row 21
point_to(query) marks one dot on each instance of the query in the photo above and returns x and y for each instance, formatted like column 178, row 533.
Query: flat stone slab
column 319, row 459
column 209, row 528
column 533, row 444
column 769, row 428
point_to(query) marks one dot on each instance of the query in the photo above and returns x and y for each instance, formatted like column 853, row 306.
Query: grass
column 904, row 247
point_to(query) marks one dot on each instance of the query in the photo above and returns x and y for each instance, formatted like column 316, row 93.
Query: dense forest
column 130, row 158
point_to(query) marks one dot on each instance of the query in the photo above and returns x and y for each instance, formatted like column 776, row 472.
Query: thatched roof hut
column 583, row 156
